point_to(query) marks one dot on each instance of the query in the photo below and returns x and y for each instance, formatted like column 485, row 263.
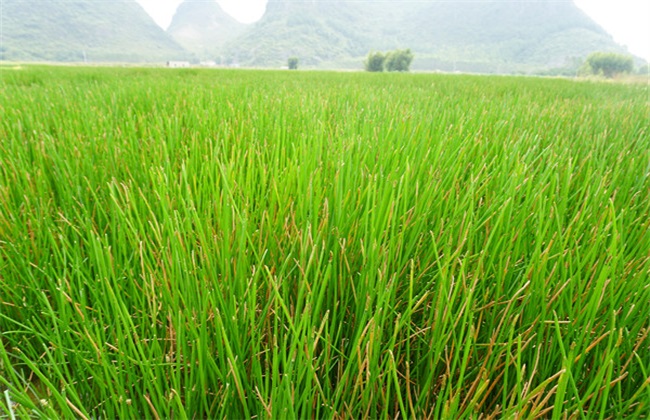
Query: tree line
column 608, row 64
column 397, row 60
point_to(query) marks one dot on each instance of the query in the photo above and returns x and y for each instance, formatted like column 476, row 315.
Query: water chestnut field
column 261, row 244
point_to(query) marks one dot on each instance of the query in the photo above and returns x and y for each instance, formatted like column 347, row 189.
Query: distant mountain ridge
column 485, row 36
column 204, row 28
column 479, row 36
column 83, row 30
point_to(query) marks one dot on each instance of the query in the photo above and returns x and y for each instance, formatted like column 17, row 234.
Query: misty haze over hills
column 204, row 28
column 77, row 31
column 488, row 37
column 476, row 36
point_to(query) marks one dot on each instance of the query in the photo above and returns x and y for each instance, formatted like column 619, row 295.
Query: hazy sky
column 626, row 20
column 246, row 11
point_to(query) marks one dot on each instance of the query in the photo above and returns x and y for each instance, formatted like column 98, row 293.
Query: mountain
column 481, row 36
column 203, row 28
column 476, row 36
column 313, row 31
column 83, row 30
column 540, row 34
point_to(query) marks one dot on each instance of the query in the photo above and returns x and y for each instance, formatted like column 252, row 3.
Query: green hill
column 83, row 30
column 483, row 36
column 314, row 31
column 479, row 36
column 203, row 28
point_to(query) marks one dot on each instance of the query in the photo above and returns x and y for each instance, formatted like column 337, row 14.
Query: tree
column 609, row 64
column 293, row 63
column 399, row 60
column 375, row 62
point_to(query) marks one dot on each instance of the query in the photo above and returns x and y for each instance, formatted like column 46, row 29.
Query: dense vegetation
column 82, row 30
column 609, row 64
column 398, row 60
column 375, row 61
column 477, row 36
column 238, row 244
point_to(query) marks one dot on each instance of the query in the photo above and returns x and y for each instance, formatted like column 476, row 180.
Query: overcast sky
column 627, row 20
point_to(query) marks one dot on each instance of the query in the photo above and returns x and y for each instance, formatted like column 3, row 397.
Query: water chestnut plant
column 248, row 244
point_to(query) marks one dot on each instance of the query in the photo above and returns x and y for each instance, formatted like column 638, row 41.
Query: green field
column 256, row 244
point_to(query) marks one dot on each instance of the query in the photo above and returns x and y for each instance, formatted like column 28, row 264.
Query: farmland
column 213, row 243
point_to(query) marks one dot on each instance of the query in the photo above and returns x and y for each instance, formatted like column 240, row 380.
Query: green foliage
column 399, row 60
column 609, row 64
column 585, row 70
column 325, row 245
column 449, row 36
column 69, row 31
column 293, row 63
column 375, row 62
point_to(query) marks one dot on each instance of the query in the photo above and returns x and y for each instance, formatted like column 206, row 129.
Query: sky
column 246, row 11
column 626, row 20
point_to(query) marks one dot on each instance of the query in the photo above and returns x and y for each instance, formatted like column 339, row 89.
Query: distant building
column 178, row 64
